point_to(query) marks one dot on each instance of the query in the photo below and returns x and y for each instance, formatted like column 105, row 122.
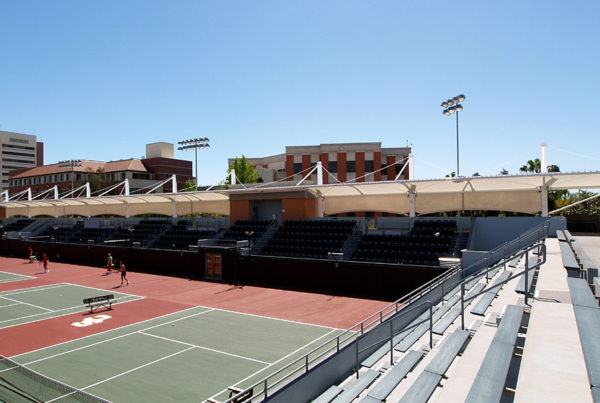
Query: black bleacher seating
column 309, row 238
column 18, row 225
column 180, row 236
column 241, row 229
column 423, row 245
column 144, row 230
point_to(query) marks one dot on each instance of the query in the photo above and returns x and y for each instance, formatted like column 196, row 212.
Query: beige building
column 18, row 151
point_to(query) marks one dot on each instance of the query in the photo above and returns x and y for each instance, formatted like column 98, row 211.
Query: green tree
column 190, row 185
column 98, row 180
column 504, row 172
column 591, row 207
column 476, row 174
column 532, row 166
column 451, row 175
column 244, row 171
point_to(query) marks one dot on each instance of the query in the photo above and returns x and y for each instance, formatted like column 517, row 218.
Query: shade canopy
column 516, row 193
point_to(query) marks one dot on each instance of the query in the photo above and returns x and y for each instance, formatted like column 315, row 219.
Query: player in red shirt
column 45, row 262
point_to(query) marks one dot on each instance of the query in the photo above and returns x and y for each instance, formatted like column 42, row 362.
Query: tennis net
column 23, row 384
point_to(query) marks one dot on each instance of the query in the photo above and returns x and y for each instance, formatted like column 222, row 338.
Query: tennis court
column 189, row 355
column 167, row 339
column 37, row 303
column 8, row 277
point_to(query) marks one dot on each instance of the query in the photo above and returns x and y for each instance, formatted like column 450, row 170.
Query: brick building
column 363, row 162
column 158, row 165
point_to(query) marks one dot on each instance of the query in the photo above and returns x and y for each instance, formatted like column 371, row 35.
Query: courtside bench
column 97, row 302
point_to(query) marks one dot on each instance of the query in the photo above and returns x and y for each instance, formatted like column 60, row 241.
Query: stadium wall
column 381, row 281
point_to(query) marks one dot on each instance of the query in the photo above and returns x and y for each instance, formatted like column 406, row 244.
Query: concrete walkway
column 553, row 367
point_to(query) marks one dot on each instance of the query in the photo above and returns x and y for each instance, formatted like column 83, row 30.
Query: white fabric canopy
column 518, row 193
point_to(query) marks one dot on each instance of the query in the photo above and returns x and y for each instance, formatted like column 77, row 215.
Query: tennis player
column 45, row 262
column 123, row 273
column 109, row 264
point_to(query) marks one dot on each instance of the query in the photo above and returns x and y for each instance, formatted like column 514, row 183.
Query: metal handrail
column 385, row 313
column 392, row 334
column 525, row 272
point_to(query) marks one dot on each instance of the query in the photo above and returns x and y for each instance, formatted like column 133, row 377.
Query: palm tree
column 532, row 166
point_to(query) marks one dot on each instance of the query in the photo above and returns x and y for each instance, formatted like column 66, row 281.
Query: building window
column 332, row 166
column 297, row 167
column 369, row 166
column 350, row 166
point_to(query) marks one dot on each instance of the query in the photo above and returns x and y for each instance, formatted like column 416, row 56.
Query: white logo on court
column 91, row 321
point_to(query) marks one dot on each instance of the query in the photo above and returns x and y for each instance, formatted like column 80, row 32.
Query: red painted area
column 165, row 295
column 36, row 335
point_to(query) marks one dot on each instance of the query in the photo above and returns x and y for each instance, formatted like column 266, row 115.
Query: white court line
column 205, row 348
column 19, row 277
column 104, row 290
column 103, row 341
column 78, row 308
column 100, row 333
column 6, row 306
column 127, row 372
column 273, row 318
column 34, row 289
column 26, row 303
column 276, row 362
column 12, row 280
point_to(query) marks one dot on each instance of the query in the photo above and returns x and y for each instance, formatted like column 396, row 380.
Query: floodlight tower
column 451, row 106
column 70, row 164
column 194, row 144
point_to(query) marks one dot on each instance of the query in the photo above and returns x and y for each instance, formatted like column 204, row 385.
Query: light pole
column 70, row 164
column 194, row 144
column 451, row 106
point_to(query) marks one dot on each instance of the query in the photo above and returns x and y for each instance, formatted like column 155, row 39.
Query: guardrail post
column 356, row 341
column 526, row 290
column 362, row 328
column 430, row 324
column 265, row 389
column 462, row 305
column 443, row 294
column 306, row 362
column 391, row 343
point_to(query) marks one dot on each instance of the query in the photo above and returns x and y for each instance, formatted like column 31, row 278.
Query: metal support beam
column 319, row 173
column 412, row 194
column 543, row 159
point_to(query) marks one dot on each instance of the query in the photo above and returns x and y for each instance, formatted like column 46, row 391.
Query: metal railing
column 262, row 388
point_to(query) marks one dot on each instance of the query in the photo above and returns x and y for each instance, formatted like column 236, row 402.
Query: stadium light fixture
column 194, row 144
column 451, row 106
column 71, row 164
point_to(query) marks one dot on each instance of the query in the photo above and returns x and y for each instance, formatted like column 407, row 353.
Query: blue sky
column 99, row 80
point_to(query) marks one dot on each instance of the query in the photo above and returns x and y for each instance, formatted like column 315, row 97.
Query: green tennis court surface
column 187, row 356
column 8, row 277
column 36, row 303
